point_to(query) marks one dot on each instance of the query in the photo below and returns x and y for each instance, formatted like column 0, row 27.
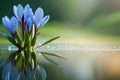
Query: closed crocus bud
column 28, row 25
column 10, row 24
column 18, row 11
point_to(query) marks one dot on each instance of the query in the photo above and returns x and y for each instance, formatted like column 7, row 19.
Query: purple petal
column 26, row 12
column 43, row 21
column 20, row 12
column 32, row 16
column 14, row 24
column 38, row 15
column 6, row 22
column 10, row 25
column 28, row 24
column 15, row 11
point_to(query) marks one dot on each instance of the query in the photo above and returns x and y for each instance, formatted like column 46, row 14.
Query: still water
column 83, row 62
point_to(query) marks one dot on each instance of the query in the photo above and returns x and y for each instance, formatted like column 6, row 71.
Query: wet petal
column 38, row 15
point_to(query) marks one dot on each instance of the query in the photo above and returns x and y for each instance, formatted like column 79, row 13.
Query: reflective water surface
column 83, row 62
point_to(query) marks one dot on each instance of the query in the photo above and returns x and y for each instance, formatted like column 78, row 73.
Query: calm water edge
column 83, row 62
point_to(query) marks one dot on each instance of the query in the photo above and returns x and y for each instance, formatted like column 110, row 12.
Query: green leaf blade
column 11, row 39
column 52, row 54
column 49, row 59
column 48, row 41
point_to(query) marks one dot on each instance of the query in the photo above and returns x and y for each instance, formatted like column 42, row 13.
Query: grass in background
column 72, row 34
column 75, row 34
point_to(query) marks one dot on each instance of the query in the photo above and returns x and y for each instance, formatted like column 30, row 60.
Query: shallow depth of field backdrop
column 81, row 22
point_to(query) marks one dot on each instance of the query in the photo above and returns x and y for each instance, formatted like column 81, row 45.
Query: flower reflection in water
column 14, row 67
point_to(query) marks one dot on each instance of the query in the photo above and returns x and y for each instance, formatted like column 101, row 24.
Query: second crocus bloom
column 10, row 24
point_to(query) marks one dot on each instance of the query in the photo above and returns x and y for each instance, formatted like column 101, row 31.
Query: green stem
column 34, row 57
column 19, row 40
column 34, row 40
column 27, row 49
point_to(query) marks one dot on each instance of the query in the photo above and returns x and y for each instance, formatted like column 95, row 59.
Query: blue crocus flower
column 38, row 19
column 22, row 14
column 10, row 24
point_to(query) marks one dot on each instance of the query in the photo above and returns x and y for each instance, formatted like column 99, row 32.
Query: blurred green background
column 89, row 22
column 76, row 21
